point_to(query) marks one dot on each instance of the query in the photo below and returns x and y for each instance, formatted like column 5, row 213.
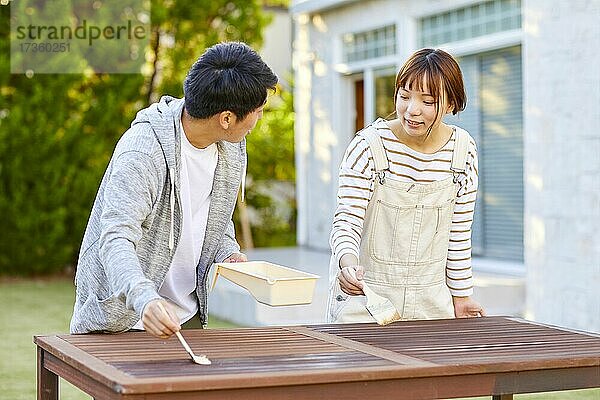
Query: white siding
column 562, row 161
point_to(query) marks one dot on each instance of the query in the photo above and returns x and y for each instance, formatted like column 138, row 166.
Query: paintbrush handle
column 366, row 289
column 181, row 339
column 162, row 309
column 184, row 344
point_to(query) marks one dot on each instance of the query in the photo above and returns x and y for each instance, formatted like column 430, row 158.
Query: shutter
column 494, row 118
column 470, row 120
column 501, row 153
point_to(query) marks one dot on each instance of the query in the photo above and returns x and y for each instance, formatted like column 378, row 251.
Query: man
column 163, row 211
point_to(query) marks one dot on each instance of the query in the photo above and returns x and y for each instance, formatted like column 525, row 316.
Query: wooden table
column 495, row 356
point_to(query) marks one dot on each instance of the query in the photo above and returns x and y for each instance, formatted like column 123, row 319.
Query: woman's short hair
column 440, row 71
column 229, row 76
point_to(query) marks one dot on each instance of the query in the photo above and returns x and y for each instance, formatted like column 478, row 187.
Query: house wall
column 322, row 101
column 561, row 134
column 562, row 161
column 277, row 47
column 324, row 94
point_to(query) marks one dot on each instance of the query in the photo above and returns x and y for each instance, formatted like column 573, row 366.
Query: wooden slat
column 260, row 358
column 85, row 362
column 215, row 343
column 257, row 364
column 364, row 348
column 480, row 341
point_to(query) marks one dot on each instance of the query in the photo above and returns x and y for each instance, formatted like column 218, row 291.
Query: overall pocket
column 391, row 232
column 434, row 302
column 439, row 238
column 410, row 235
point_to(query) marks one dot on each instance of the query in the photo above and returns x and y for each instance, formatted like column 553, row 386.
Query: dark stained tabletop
column 136, row 363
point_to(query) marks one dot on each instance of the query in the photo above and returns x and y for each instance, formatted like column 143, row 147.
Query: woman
column 406, row 197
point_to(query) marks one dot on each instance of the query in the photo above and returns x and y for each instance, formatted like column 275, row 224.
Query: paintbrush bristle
column 384, row 312
column 393, row 317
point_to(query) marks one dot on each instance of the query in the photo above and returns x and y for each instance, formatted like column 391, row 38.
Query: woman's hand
column 466, row 307
column 350, row 279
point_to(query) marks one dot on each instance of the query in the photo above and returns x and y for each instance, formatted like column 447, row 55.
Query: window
column 494, row 118
column 385, row 82
column 369, row 44
column 373, row 82
column 379, row 87
column 470, row 22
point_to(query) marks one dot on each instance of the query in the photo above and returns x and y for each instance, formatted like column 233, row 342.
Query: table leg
column 47, row 381
column 502, row 397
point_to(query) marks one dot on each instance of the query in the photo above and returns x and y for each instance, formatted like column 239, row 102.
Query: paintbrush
column 198, row 359
column 378, row 306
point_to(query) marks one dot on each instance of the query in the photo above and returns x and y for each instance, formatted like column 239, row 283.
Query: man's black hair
column 228, row 76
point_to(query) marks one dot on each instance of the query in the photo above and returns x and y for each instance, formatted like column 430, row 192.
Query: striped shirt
column 356, row 178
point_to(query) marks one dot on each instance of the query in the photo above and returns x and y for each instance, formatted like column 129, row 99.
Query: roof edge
column 311, row 6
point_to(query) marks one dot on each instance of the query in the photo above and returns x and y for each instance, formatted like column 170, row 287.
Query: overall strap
column 459, row 155
column 379, row 157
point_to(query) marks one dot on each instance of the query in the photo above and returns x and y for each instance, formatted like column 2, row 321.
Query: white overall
column 404, row 243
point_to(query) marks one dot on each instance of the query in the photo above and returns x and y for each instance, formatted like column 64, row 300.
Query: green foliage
column 271, row 175
column 276, row 3
column 271, row 143
column 55, row 142
column 57, row 132
column 194, row 25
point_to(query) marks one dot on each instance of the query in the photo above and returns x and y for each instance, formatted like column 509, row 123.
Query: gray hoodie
column 135, row 223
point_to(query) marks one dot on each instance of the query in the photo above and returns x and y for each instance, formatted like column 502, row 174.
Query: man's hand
column 236, row 257
column 466, row 307
column 350, row 279
column 160, row 319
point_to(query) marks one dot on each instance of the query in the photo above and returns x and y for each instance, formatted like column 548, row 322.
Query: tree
column 271, row 175
column 57, row 132
column 182, row 30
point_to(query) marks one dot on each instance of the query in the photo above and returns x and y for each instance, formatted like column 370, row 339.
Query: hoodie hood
column 164, row 118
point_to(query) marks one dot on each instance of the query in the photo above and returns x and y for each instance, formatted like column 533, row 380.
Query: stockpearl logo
column 76, row 36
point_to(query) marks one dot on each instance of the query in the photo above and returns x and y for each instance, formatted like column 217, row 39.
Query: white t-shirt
column 196, row 181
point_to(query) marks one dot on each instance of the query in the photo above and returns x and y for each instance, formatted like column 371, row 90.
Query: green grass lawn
column 35, row 308
column 44, row 307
